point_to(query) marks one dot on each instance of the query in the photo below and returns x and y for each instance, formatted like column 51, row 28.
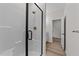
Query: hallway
column 54, row 48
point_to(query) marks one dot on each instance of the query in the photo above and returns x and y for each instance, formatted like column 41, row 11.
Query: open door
column 63, row 33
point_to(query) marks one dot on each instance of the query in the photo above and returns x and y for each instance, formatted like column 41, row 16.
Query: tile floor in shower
column 17, row 50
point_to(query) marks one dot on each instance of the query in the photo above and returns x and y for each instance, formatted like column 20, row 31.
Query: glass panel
column 12, row 29
column 34, row 25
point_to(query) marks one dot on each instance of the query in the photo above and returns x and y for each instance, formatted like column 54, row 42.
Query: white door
column 72, row 30
column 34, row 29
column 57, row 28
column 62, row 32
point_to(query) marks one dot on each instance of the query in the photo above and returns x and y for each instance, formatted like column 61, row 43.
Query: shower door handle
column 30, row 35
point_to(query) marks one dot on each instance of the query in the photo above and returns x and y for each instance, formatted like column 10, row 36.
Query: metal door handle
column 76, row 31
column 30, row 35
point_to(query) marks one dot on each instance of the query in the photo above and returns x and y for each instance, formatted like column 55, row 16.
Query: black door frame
column 27, row 10
column 65, row 33
column 26, row 35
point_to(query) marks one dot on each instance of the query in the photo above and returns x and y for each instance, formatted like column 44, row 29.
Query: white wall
column 12, row 25
column 49, row 31
column 53, row 11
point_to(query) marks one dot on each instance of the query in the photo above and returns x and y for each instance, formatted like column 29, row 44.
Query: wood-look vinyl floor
column 54, row 48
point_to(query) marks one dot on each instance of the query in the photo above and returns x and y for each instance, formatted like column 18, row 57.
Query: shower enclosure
column 21, row 27
column 35, row 30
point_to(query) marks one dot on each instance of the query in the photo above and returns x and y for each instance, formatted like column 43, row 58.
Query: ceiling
column 54, row 10
column 51, row 7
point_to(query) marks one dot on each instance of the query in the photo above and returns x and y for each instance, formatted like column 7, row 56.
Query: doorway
column 54, row 48
column 57, row 29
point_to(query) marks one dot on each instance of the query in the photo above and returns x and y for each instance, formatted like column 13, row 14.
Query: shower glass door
column 34, row 30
